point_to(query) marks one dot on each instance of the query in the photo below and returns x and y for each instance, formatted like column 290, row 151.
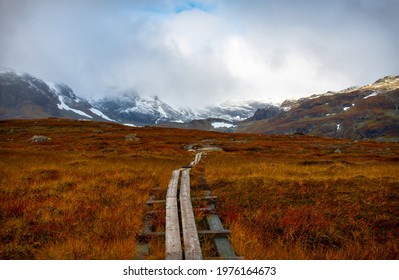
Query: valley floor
column 82, row 194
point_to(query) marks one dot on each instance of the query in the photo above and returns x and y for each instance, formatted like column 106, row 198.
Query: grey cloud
column 97, row 45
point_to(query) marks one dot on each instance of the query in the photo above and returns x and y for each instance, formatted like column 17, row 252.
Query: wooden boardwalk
column 181, row 235
column 172, row 228
column 182, row 240
column 192, row 247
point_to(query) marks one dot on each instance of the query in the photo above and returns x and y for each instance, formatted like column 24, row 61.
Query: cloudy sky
column 201, row 52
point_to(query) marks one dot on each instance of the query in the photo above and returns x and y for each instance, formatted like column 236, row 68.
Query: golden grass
column 79, row 197
column 55, row 203
column 82, row 195
column 309, row 206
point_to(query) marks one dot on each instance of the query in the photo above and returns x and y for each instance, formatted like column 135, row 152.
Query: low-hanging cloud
column 196, row 53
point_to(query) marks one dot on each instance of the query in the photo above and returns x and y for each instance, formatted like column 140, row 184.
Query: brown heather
column 82, row 195
column 302, row 198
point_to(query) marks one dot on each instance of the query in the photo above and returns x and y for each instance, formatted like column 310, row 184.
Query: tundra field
column 82, row 194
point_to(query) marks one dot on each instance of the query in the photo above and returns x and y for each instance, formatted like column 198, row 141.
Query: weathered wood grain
column 173, row 232
column 192, row 247
column 172, row 229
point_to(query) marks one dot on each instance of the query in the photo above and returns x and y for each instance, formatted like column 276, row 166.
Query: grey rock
column 39, row 138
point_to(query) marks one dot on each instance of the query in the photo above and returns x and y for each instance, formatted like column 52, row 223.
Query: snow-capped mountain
column 233, row 111
column 369, row 111
column 23, row 96
column 130, row 107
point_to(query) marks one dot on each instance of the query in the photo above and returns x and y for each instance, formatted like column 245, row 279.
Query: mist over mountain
column 25, row 96
column 202, row 52
column 130, row 107
column 370, row 111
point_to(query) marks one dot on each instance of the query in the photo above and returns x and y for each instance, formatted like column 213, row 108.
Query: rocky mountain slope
column 235, row 111
column 226, row 118
column 23, row 96
column 368, row 112
column 130, row 107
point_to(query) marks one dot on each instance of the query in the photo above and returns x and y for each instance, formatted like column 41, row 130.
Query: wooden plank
column 192, row 247
column 151, row 234
column 145, row 236
column 150, row 202
column 209, row 197
column 172, row 186
column 173, row 247
column 206, row 209
column 142, row 244
column 197, row 158
column 222, row 243
column 214, row 232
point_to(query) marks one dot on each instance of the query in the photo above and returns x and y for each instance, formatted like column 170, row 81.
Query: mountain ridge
column 128, row 107
column 362, row 112
column 23, row 96
column 366, row 112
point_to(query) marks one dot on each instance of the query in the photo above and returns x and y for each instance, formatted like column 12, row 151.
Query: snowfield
column 101, row 114
column 63, row 106
column 222, row 124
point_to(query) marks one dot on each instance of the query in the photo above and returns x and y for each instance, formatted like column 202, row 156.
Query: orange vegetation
column 298, row 197
column 82, row 195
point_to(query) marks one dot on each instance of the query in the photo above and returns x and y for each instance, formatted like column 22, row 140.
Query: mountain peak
column 24, row 96
column 384, row 84
column 389, row 79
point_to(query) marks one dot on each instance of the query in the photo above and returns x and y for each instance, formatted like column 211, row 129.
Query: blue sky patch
column 190, row 5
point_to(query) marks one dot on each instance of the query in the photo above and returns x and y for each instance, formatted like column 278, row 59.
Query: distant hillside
column 129, row 106
column 23, row 96
column 368, row 112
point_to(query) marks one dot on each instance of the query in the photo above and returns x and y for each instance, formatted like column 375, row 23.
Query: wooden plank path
column 222, row 242
column 181, row 235
column 172, row 228
column 191, row 249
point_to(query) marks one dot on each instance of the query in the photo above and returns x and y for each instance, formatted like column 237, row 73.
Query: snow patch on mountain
column 63, row 106
column 129, row 124
column 232, row 111
column 101, row 114
column 53, row 87
column 222, row 124
column 371, row 95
